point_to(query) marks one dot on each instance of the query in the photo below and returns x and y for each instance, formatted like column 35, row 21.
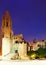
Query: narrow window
column 6, row 24
column 16, row 51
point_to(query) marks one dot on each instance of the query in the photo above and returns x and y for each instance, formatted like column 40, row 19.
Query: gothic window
column 6, row 24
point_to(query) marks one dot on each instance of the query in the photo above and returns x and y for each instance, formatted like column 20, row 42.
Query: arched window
column 6, row 24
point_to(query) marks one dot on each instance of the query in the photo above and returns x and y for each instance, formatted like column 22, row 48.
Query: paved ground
column 18, row 62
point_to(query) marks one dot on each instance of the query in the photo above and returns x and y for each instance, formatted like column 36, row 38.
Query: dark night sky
column 28, row 17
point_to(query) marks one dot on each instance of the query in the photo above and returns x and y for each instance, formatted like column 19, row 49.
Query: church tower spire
column 6, row 25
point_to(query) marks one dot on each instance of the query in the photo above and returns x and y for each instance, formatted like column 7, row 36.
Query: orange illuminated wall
column 0, row 42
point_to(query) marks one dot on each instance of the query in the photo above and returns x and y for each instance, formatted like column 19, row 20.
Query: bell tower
column 6, row 34
column 6, row 25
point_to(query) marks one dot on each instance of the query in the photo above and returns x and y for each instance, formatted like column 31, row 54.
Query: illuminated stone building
column 19, row 46
column 12, row 44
